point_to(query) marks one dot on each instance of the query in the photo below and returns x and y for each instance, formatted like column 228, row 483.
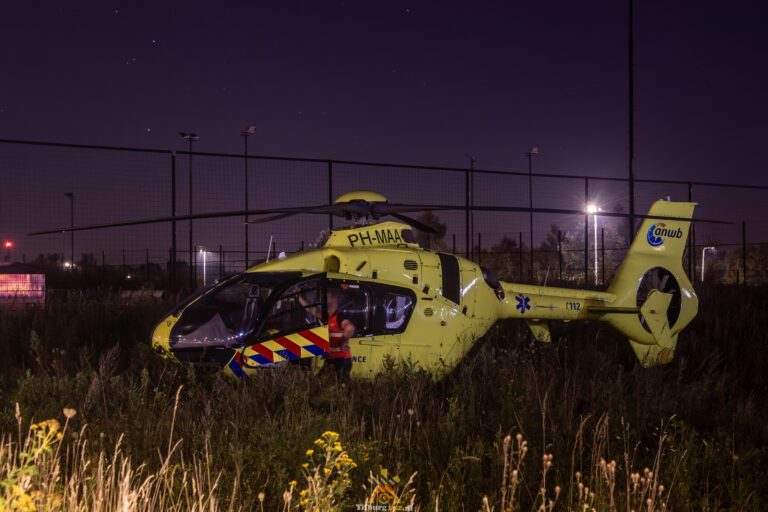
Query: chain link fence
column 49, row 185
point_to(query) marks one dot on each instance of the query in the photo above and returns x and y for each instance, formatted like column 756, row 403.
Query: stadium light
column 593, row 209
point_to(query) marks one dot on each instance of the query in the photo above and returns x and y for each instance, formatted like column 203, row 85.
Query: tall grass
column 598, row 429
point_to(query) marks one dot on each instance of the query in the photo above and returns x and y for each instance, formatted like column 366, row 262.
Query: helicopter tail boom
column 650, row 300
column 652, row 282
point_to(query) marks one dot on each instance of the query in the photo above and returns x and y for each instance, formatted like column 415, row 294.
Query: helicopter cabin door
column 294, row 329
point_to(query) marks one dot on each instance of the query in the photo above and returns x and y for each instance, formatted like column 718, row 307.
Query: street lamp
column 251, row 130
column 190, row 138
column 205, row 265
column 533, row 151
column 71, row 197
column 703, row 254
column 593, row 209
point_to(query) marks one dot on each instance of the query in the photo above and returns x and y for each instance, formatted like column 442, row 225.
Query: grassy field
column 518, row 426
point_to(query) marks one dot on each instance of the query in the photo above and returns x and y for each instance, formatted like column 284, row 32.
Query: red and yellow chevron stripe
column 300, row 345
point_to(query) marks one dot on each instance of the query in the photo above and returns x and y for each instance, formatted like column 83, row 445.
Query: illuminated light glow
column 8, row 244
column 593, row 209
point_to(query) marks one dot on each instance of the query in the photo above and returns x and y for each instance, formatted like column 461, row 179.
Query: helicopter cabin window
column 392, row 309
column 350, row 301
column 373, row 308
column 297, row 308
column 397, row 310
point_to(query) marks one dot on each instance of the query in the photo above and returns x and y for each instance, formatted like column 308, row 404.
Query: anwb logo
column 657, row 232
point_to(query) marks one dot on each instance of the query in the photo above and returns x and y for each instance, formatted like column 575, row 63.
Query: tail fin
column 651, row 278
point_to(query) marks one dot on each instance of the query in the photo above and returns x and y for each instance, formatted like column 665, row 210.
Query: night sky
column 419, row 82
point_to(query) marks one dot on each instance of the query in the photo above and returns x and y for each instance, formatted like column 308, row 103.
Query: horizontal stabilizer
column 654, row 312
column 540, row 330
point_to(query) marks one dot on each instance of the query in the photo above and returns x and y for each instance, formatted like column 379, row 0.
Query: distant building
column 21, row 285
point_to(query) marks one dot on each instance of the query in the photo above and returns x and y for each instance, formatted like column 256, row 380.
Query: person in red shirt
column 341, row 329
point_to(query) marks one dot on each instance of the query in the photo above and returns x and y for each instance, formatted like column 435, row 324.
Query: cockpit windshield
column 226, row 314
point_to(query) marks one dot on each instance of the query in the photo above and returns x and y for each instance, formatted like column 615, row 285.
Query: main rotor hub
column 366, row 196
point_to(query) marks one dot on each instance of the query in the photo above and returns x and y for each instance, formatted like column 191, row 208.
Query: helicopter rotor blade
column 359, row 209
column 381, row 209
column 415, row 223
column 273, row 217
column 155, row 220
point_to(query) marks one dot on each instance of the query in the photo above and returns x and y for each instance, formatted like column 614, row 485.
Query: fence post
column 586, row 232
column 193, row 268
column 693, row 256
column 744, row 250
column 221, row 261
column 124, row 267
column 173, row 222
column 467, row 234
column 330, row 192
column 480, row 249
column 691, row 248
column 602, row 250
column 520, row 254
column 146, row 266
column 560, row 254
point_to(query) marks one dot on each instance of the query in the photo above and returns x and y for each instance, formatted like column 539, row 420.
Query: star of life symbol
column 523, row 303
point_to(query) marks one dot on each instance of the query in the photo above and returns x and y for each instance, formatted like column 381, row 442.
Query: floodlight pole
column 595, row 249
column 71, row 197
column 190, row 138
column 631, row 63
column 533, row 151
column 469, row 217
column 245, row 133
column 205, row 265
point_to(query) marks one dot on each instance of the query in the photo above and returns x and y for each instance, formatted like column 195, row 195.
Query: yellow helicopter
column 370, row 292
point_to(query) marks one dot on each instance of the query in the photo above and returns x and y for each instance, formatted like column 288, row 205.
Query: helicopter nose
column 161, row 335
